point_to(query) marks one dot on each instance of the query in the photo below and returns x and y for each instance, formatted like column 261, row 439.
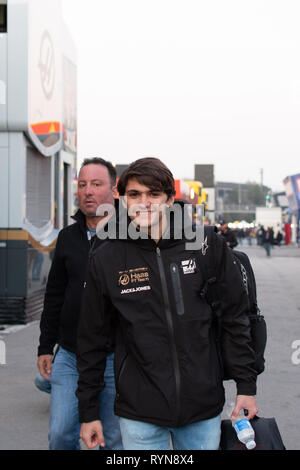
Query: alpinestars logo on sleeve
column 204, row 247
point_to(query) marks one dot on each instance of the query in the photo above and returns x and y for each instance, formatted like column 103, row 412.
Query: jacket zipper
column 177, row 289
column 171, row 330
column 90, row 246
column 91, row 242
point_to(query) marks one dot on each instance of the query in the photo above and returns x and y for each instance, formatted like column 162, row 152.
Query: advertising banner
column 45, row 87
column 292, row 189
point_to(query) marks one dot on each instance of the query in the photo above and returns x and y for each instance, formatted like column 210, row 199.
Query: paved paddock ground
column 24, row 410
column 279, row 300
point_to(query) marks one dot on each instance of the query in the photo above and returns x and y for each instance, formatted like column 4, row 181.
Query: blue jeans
column 267, row 246
column 203, row 435
column 64, row 422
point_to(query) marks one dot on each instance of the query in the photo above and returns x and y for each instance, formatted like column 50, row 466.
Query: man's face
column 145, row 206
column 94, row 188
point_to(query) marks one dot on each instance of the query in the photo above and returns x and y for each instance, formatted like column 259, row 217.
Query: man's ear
column 170, row 201
column 114, row 191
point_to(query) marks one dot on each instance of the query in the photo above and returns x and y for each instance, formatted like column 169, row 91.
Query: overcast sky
column 190, row 81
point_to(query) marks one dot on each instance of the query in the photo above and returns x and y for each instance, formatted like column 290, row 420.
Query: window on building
column 38, row 188
column 3, row 18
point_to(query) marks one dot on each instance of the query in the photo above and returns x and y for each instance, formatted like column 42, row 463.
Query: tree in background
column 257, row 193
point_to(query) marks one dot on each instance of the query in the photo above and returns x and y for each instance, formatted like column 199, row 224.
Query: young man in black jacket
column 145, row 286
column 96, row 186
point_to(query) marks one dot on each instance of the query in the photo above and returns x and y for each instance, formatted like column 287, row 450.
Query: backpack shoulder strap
column 207, row 266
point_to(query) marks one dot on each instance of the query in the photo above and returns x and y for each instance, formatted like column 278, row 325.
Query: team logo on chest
column 188, row 266
column 136, row 278
column 124, row 279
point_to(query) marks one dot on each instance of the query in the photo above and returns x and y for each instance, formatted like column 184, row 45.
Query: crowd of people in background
column 264, row 237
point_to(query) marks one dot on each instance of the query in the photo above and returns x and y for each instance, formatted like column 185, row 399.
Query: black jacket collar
column 79, row 217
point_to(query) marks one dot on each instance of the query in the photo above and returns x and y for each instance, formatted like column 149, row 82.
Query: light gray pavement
column 24, row 411
column 278, row 284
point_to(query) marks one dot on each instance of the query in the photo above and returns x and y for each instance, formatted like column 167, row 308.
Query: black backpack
column 257, row 321
column 209, row 292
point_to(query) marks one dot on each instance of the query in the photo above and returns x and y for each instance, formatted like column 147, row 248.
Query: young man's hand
column 92, row 434
column 44, row 365
column 245, row 402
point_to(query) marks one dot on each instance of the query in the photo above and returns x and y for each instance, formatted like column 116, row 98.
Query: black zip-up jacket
column 65, row 287
column 167, row 367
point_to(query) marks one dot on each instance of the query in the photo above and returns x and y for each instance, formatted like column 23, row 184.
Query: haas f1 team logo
column 188, row 266
column 138, row 278
column 47, row 65
column 124, row 279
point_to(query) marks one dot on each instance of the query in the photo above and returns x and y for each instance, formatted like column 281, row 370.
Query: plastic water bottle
column 244, row 431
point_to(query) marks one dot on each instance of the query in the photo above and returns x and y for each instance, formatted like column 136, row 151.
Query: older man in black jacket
column 96, row 186
column 168, row 366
